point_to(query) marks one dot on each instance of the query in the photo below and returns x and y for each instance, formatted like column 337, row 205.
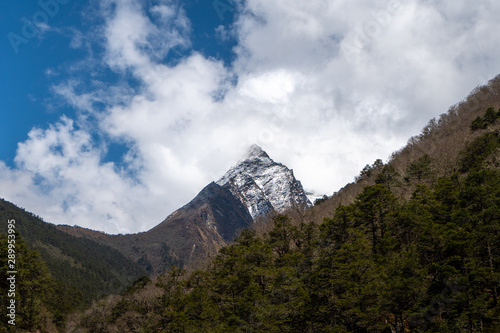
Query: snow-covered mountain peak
column 256, row 152
column 263, row 185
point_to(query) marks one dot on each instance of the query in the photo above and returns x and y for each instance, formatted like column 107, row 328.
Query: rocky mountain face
column 263, row 185
column 255, row 187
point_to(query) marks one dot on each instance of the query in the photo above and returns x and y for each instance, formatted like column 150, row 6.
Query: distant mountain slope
column 190, row 234
column 94, row 269
column 439, row 145
column 256, row 187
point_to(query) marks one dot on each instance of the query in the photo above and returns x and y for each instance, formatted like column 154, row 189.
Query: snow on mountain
column 263, row 185
column 254, row 187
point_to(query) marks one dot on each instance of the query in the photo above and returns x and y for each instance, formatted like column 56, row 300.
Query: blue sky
column 116, row 113
column 28, row 61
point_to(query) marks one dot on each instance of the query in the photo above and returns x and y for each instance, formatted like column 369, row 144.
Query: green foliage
column 138, row 284
column 388, row 176
column 320, row 200
column 420, row 169
column 36, row 291
column 428, row 264
column 473, row 156
column 369, row 170
column 489, row 118
column 478, row 123
column 81, row 264
column 375, row 212
column 58, row 273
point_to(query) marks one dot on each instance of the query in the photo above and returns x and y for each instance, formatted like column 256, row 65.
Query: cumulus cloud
column 325, row 87
column 60, row 174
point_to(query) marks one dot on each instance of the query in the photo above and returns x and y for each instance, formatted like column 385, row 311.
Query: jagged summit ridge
column 256, row 152
column 263, row 185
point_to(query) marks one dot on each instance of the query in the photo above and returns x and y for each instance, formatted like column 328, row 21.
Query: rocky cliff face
column 263, row 185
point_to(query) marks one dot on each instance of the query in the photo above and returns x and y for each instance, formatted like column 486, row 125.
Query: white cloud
column 313, row 104
column 66, row 182
column 133, row 39
column 271, row 87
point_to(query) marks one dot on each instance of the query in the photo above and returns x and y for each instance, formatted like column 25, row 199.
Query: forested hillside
column 413, row 245
column 436, row 149
column 416, row 250
column 62, row 272
column 40, row 299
